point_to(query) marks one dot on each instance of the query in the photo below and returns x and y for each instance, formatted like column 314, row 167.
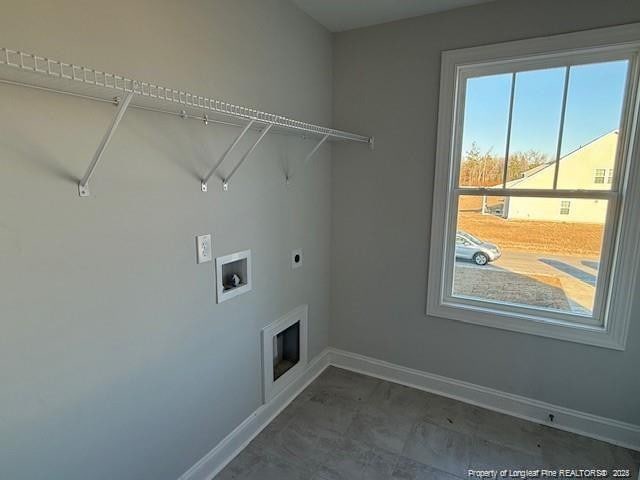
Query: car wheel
column 480, row 258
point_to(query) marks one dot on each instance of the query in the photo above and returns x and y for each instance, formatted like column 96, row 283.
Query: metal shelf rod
column 181, row 114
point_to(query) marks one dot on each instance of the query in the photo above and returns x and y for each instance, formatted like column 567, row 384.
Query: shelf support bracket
column 83, row 185
column 225, row 182
column 316, row 148
column 205, row 180
column 311, row 154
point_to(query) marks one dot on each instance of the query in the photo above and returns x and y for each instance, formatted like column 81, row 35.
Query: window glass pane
column 485, row 130
column 537, row 107
column 590, row 139
column 532, row 252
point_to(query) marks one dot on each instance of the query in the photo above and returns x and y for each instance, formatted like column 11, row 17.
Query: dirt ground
column 563, row 238
column 504, row 286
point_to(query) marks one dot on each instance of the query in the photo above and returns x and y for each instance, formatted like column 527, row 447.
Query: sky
column 594, row 105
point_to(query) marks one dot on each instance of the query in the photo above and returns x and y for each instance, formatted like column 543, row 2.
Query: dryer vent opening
column 286, row 350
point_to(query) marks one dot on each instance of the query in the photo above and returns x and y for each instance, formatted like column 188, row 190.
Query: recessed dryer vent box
column 233, row 275
column 284, row 351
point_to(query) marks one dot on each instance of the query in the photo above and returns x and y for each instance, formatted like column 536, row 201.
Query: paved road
column 577, row 275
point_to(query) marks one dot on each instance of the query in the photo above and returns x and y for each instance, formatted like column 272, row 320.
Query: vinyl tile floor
column 350, row 426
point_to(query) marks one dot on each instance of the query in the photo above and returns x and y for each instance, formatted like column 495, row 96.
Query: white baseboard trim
column 619, row 433
column 613, row 431
column 230, row 446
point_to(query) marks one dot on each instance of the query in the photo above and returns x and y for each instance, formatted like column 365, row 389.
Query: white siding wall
column 548, row 209
column 576, row 171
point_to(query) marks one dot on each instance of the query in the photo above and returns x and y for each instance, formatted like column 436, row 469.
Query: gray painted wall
column 386, row 81
column 115, row 361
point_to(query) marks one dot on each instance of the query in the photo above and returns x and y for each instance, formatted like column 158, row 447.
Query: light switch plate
column 296, row 258
column 204, row 248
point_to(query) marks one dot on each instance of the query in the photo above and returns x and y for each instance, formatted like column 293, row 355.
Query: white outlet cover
column 296, row 258
column 204, row 248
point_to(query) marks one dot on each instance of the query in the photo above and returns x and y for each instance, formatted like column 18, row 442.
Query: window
column 551, row 125
column 461, row 241
column 599, row 175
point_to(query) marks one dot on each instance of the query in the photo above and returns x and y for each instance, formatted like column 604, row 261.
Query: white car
column 471, row 248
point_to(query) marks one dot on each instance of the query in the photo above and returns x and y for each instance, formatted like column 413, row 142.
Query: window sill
column 573, row 332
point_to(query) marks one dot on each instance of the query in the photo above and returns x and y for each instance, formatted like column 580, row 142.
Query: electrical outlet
column 296, row 258
column 204, row 248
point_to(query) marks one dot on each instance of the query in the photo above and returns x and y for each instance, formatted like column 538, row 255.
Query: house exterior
column 590, row 166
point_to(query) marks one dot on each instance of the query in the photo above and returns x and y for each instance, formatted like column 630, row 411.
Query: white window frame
column 565, row 207
column 620, row 262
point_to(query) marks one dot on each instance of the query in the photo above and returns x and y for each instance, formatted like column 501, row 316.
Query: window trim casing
column 571, row 57
column 623, row 274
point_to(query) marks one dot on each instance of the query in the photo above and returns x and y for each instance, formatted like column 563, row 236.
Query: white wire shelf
column 29, row 70
column 32, row 70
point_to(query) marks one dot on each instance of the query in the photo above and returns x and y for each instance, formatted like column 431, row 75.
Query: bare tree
column 486, row 169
